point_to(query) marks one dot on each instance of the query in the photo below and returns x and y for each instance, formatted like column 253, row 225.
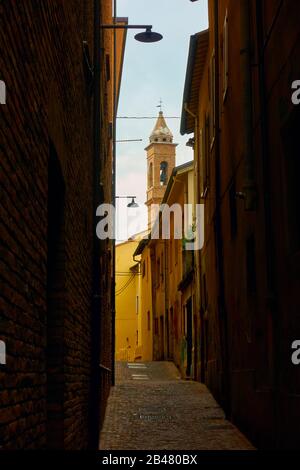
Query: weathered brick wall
column 47, row 101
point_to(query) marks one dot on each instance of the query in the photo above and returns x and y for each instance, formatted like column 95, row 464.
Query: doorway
column 55, row 303
column 189, row 335
column 162, row 338
column 168, row 334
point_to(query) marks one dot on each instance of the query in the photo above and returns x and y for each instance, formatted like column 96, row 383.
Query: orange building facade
column 237, row 102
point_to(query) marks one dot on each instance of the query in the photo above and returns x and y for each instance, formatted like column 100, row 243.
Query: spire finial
column 161, row 132
column 160, row 105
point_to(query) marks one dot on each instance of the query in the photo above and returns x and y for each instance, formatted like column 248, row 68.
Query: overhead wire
column 146, row 117
column 123, row 288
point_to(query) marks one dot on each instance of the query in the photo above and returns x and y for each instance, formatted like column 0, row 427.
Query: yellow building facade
column 134, row 311
column 128, row 339
column 168, row 286
column 155, row 278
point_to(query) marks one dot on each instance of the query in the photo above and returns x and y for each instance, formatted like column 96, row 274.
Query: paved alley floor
column 151, row 408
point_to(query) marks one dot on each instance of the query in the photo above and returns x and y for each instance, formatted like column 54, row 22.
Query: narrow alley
column 151, row 407
column 149, row 228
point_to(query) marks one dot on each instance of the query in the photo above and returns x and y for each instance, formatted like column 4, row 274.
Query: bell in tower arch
column 163, row 173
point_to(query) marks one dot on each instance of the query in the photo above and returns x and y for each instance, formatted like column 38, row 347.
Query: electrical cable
column 126, row 285
column 147, row 117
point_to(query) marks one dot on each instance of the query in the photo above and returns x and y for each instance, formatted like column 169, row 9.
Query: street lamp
column 147, row 36
column 131, row 204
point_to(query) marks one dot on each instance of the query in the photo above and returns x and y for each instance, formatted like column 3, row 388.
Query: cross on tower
column 160, row 104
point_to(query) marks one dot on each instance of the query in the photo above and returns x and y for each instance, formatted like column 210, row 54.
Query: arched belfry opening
column 163, row 178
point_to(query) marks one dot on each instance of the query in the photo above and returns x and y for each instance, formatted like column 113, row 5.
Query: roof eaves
column 195, row 41
column 141, row 246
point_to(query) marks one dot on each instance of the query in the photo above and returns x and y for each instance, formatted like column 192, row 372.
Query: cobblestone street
column 151, row 408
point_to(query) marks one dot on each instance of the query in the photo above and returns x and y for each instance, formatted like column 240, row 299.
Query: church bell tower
column 161, row 153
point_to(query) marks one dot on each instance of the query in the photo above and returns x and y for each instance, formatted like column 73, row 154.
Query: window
column 156, row 326
column 163, row 178
column 171, row 254
column 147, row 267
column 176, row 247
column 158, row 273
column 212, row 97
column 206, row 149
column 183, row 320
column 216, row 230
column 2, row 353
column 251, row 265
column 233, row 210
column 107, row 65
column 225, row 57
column 204, row 158
column 2, row 92
column 204, row 293
column 143, row 268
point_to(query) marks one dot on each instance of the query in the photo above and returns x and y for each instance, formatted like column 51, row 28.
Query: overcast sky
column 151, row 72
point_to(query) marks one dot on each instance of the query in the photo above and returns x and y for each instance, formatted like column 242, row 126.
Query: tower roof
column 161, row 133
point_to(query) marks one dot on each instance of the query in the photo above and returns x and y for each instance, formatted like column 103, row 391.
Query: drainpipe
column 136, row 261
column 249, row 185
column 196, row 158
column 197, row 256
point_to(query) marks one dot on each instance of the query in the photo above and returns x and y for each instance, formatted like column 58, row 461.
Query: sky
column 152, row 72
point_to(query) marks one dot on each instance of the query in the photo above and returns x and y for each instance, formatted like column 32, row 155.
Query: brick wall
column 48, row 110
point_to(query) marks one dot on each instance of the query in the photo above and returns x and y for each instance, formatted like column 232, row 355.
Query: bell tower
column 161, row 154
